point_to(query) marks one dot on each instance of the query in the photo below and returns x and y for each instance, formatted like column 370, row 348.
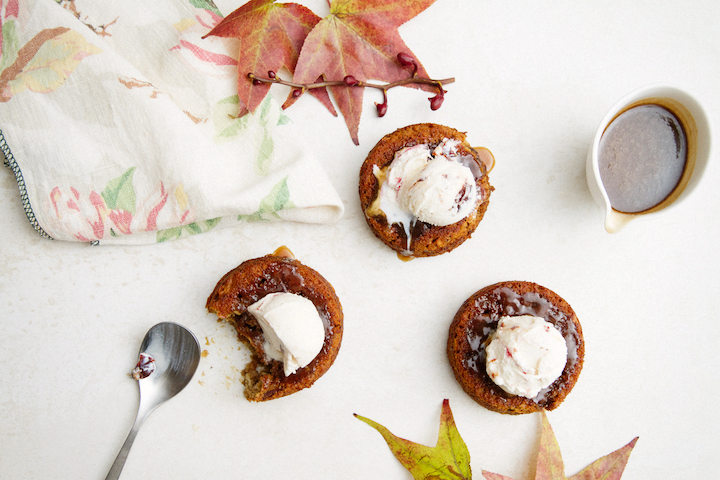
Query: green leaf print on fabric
column 119, row 193
column 9, row 44
column 278, row 199
column 206, row 5
column 284, row 119
column 227, row 125
column 263, row 161
column 187, row 230
column 260, row 124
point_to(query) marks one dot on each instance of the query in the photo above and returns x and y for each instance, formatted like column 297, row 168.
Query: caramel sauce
column 486, row 157
column 374, row 209
column 283, row 251
column 405, row 258
column 642, row 157
column 505, row 302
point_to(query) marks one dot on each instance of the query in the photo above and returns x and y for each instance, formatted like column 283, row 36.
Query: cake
column 472, row 330
column 264, row 378
column 415, row 237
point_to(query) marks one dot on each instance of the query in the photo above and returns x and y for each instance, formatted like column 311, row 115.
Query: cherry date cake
column 234, row 300
column 424, row 189
column 472, row 350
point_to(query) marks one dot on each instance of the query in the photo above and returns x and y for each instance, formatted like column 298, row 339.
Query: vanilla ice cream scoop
column 293, row 330
column 431, row 186
column 526, row 354
column 443, row 194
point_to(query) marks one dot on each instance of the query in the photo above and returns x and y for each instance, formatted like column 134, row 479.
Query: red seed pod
column 350, row 81
column 256, row 82
column 405, row 59
column 436, row 101
column 381, row 109
column 296, row 93
column 271, row 74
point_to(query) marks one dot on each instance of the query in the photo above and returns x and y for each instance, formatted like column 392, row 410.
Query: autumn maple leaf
column 550, row 463
column 448, row 460
column 358, row 38
column 271, row 36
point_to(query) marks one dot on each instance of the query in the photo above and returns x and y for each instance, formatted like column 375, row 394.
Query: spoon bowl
column 169, row 356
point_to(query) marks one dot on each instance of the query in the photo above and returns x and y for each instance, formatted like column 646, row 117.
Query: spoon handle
column 119, row 462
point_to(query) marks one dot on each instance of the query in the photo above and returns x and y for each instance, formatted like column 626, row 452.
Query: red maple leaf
column 550, row 464
column 271, row 36
column 358, row 38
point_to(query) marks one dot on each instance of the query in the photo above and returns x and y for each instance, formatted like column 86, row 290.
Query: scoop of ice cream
column 430, row 186
column 525, row 355
column 443, row 194
column 293, row 330
column 407, row 165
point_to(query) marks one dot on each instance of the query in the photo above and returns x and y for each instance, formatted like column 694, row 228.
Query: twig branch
column 349, row 81
column 341, row 83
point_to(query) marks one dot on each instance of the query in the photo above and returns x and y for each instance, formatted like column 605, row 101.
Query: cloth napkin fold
column 120, row 124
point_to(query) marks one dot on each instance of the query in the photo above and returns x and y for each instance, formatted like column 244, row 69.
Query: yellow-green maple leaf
column 448, row 460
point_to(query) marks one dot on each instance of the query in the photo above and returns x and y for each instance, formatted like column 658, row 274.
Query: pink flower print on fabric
column 122, row 221
column 160, row 207
column 178, row 211
column 8, row 9
column 116, row 211
column 82, row 217
column 212, row 56
column 208, row 16
column 155, row 211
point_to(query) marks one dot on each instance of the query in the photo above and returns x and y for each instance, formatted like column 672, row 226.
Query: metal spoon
column 169, row 356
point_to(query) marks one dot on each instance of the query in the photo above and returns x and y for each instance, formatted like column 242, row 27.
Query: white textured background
column 533, row 81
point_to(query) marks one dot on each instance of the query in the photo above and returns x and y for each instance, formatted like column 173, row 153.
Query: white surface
column 533, row 82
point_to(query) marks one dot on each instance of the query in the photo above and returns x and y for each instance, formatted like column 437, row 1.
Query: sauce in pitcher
column 642, row 157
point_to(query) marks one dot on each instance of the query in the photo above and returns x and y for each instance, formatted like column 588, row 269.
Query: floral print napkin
column 122, row 127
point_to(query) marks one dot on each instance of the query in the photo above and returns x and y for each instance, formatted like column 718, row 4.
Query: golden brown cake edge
column 478, row 385
column 272, row 383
